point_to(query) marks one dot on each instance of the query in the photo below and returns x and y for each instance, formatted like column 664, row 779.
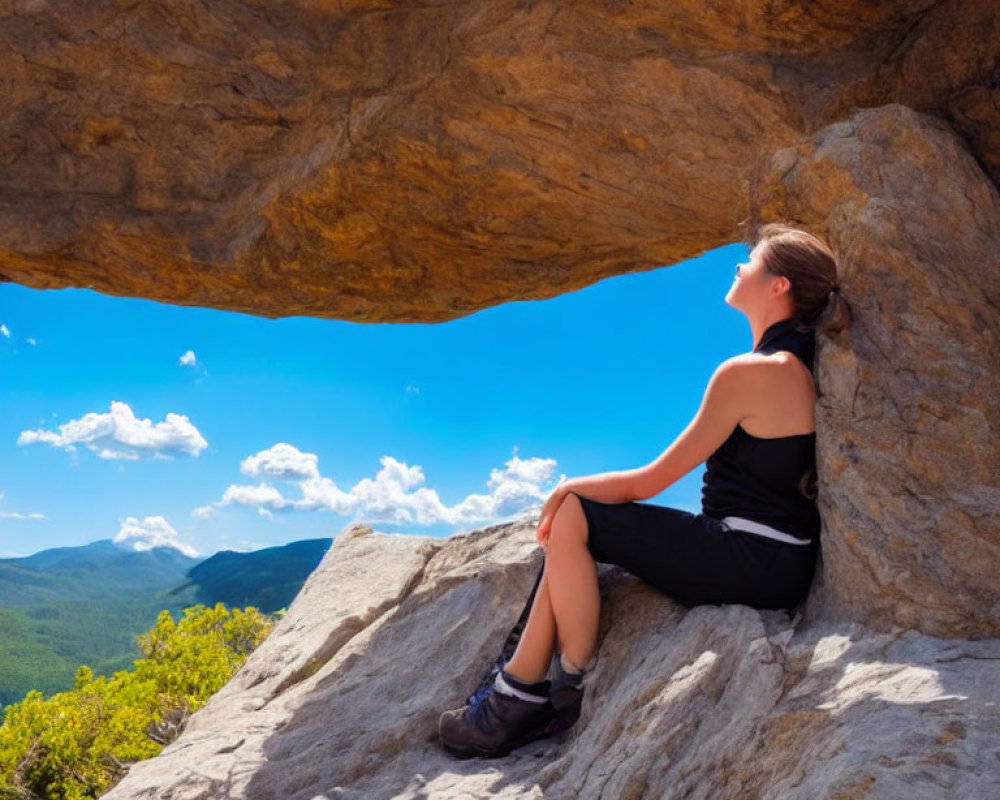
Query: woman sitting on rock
column 754, row 543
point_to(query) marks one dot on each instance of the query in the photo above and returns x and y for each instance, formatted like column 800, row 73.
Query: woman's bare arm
column 725, row 403
column 732, row 392
column 730, row 395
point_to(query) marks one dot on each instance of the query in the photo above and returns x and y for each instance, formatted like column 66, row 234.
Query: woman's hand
column 548, row 514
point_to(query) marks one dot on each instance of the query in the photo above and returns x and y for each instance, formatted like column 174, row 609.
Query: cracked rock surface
column 390, row 162
column 907, row 418
column 342, row 699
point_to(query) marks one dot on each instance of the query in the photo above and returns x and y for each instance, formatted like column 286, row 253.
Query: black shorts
column 695, row 559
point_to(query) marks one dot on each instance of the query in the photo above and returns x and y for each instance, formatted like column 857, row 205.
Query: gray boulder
column 342, row 699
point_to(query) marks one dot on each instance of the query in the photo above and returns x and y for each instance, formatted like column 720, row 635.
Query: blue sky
column 208, row 430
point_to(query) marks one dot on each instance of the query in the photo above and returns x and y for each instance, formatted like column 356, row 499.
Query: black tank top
column 759, row 478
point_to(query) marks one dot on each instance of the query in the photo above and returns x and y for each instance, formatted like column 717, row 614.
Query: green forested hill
column 268, row 579
column 41, row 646
column 99, row 570
column 69, row 606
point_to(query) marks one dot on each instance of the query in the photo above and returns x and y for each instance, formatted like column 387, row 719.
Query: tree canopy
column 77, row 744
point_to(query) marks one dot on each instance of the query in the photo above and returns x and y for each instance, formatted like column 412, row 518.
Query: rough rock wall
column 908, row 420
column 720, row 703
column 416, row 162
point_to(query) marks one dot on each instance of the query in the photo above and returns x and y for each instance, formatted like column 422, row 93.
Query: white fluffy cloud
column 4, row 330
column 394, row 495
column 263, row 495
column 151, row 532
column 281, row 461
column 120, row 435
column 189, row 359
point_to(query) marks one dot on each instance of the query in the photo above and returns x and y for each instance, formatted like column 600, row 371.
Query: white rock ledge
column 342, row 699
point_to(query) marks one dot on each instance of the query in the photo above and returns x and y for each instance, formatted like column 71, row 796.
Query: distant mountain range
column 68, row 606
column 268, row 579
column 96, row 571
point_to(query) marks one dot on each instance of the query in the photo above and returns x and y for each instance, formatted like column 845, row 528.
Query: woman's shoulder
column 761, row 376
column 752, row 367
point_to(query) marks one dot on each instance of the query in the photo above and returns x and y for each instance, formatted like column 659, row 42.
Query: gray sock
column 568, row 666
column 506, row 683
column 568, row 673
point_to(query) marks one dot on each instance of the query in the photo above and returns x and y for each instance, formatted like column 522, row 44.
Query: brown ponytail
column 835, row 316
column 807, row 483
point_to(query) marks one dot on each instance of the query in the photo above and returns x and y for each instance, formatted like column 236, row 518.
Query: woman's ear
column 781, row 285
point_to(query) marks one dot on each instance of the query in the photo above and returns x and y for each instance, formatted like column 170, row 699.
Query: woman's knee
column 569, row 522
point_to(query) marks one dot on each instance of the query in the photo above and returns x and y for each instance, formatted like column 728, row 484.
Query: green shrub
column 78, row 744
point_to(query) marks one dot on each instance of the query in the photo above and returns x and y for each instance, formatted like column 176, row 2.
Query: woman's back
column 770, row 479
column 787, row 405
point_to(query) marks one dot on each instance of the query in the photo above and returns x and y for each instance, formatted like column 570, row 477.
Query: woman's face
column 752, row 283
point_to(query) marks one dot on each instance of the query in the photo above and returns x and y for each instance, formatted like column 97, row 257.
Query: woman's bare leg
column 567, row 604
column 573, row 588
column 530, row 661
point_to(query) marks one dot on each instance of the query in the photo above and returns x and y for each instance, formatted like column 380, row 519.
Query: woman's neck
column 760, row 325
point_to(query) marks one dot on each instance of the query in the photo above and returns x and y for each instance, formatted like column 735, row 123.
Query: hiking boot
column 493, row 724
column 566, row 697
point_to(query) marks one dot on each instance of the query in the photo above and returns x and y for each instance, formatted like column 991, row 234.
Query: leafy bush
column 78, row 744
